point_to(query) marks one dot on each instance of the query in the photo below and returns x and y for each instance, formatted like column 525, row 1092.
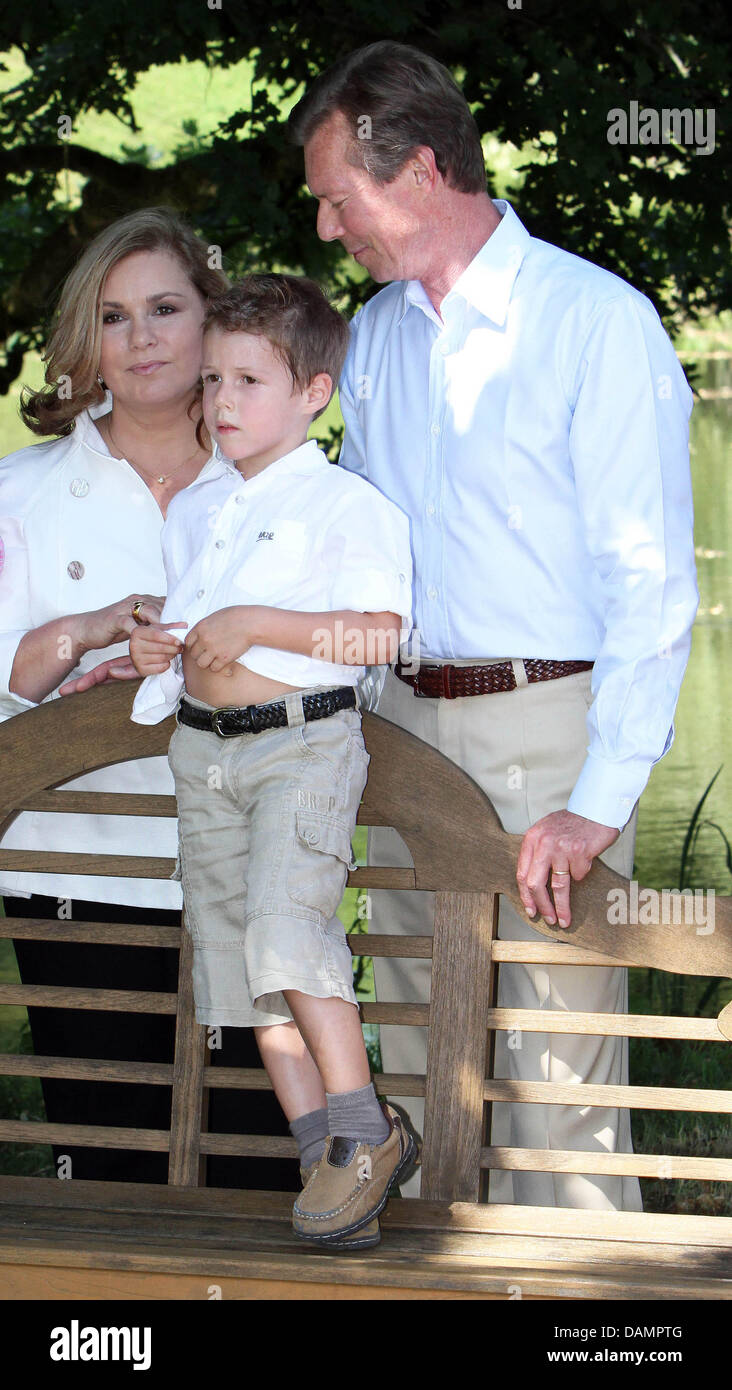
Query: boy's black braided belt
column 453, row 682
column 230, row 721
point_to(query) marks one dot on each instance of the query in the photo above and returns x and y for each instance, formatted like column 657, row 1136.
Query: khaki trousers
column 525, row 749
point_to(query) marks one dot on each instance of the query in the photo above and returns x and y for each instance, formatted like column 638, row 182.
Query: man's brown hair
column 396, row 98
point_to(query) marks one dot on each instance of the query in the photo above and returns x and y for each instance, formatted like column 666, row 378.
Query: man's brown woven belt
column 453, row 682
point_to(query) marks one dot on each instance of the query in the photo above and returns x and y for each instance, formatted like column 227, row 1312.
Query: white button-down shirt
column 303, row 534
column 535, row 432
column 79, row 530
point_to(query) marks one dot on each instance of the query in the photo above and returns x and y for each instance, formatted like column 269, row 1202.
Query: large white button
column 75, row 569
column 79, row 487
column 432, row 592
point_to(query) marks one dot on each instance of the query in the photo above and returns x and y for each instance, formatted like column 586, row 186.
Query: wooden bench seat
column 91, row 1240
column 74, row 1239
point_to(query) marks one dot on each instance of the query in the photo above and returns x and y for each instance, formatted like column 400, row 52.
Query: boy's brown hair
column 304, row 330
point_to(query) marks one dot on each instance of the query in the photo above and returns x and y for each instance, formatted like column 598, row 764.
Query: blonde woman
column 80, row 522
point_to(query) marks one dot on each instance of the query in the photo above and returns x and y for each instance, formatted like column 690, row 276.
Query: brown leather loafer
column 350, row 1186
column 360, row 1240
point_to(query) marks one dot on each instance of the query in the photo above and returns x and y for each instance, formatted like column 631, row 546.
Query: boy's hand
column 152, row 648
column 217, row 641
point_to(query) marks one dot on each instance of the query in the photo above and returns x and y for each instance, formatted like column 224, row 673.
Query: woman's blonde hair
column 74, row 346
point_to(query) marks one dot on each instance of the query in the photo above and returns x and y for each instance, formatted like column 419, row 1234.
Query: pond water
column 703, row 724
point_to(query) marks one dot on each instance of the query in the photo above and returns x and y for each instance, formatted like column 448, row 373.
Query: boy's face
column 250, row 405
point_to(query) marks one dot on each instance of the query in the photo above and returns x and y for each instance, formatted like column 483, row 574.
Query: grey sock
column 357, row 1115
column 311, row 1132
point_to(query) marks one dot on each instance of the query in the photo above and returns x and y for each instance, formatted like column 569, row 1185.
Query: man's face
column 379, row 224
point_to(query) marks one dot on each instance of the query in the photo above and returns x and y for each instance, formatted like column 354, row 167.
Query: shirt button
column 403, row 578
column 79, row 487
column 220, row 545
column 430, row 508
column 75, row 569
column 435, row 429
column 444, row 349
column 200, row 593
column 432, row 592
column 240, row 496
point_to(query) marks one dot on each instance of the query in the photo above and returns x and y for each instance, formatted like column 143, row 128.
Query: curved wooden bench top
column 448, row 823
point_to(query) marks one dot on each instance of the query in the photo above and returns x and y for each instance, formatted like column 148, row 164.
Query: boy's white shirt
column 303, row 534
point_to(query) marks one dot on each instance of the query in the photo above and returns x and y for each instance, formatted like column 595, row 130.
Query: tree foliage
column 543, row 75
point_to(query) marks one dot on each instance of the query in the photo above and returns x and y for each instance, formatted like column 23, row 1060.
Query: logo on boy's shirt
column 315, row 801
column 266, row 536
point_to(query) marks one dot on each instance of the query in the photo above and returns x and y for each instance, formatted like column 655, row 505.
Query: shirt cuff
column 10, row 703
column 607, row 792
column 157, row 697
column 376, row 592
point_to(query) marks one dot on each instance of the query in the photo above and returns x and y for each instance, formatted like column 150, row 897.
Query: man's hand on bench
column 557, row 849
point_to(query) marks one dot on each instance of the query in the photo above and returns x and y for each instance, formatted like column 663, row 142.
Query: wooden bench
column 76, row 1239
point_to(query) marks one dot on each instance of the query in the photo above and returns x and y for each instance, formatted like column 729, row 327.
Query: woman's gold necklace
column 162, row 477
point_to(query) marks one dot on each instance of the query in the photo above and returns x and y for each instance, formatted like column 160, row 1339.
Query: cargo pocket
column 321, row 858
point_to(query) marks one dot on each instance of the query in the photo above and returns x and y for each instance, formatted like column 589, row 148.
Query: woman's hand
column 103, row 627
column 118, row 668
column 152, row 648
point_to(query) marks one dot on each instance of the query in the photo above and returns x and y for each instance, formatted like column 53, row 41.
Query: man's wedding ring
column 136, row 609
column 560, row 873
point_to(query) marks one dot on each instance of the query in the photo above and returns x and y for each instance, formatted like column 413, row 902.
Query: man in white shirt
column 527, row 411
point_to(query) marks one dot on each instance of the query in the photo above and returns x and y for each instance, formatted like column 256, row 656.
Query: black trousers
column 135, row 1037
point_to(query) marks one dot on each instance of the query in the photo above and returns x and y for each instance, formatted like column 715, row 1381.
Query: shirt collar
column 306, row 458
column 487, row 283
column 85, row 430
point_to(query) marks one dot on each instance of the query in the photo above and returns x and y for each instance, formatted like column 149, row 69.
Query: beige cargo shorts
column 265, row 827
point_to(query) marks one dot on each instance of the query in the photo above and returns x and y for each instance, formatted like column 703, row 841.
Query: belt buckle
column 415, row 682
column 215, row 725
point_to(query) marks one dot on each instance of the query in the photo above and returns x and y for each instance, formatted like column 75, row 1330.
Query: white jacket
column 79, row 529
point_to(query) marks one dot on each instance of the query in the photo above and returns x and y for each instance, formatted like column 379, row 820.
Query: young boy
column 291, row 576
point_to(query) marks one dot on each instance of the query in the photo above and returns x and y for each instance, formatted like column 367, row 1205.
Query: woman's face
column 152, row 317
